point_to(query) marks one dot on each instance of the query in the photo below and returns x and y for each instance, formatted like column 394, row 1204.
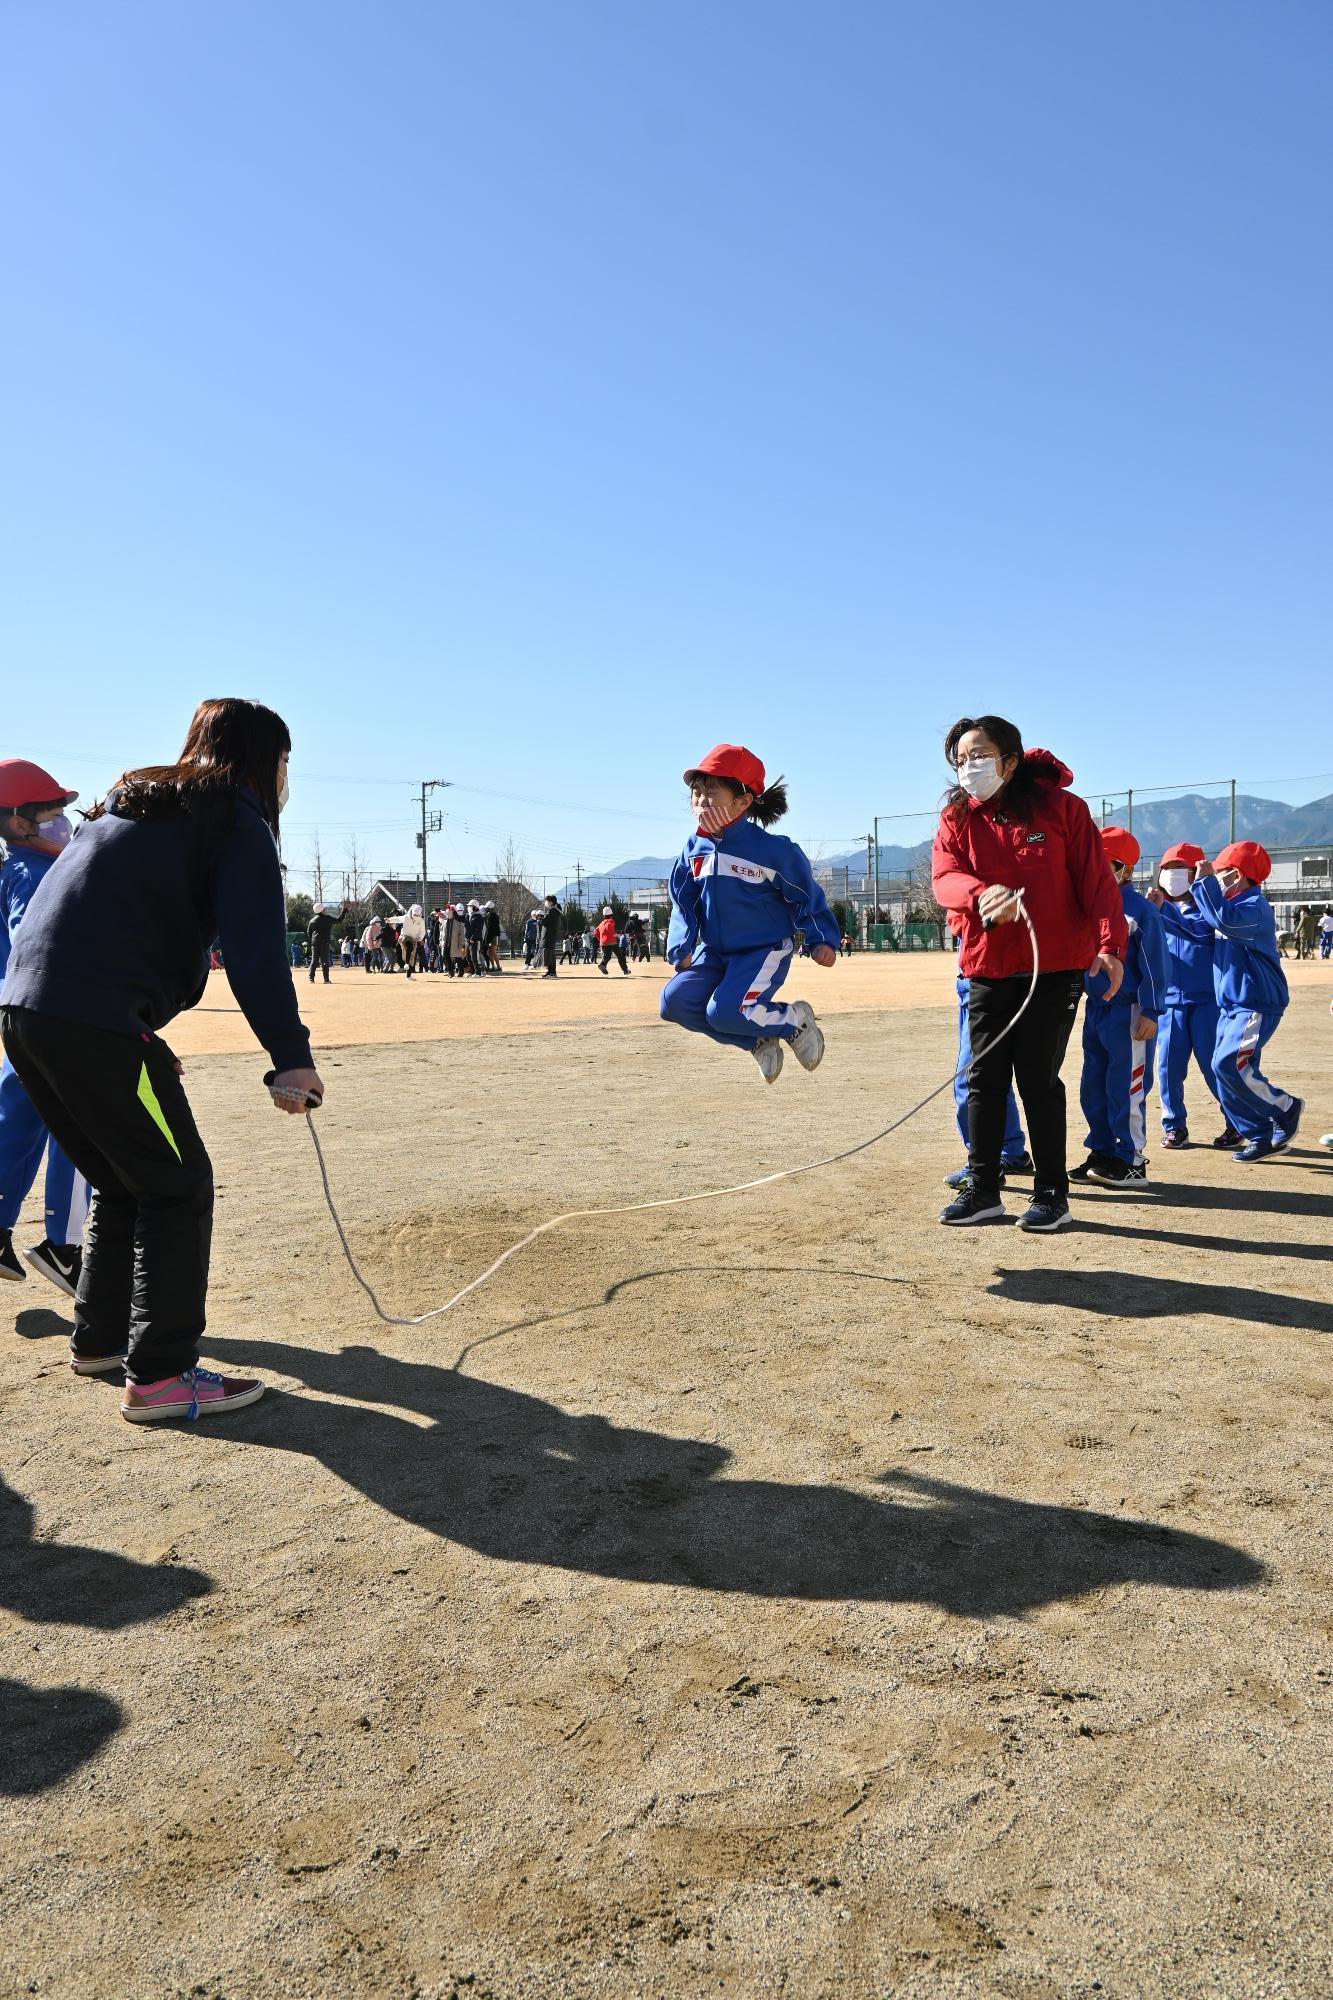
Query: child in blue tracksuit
column 1117, row 1063
column 1188, row 1023
column 739, row 895
column 1251, row 992
column 35, row 831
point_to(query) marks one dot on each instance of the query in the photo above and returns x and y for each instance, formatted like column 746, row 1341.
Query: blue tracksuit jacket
column 1251, row 990
column 737, row 901
column 23, row 1137
column 1247, row 971
column 1117, row 1070
column 1188, row 1023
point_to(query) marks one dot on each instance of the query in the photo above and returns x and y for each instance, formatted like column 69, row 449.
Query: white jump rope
column 311, row 1103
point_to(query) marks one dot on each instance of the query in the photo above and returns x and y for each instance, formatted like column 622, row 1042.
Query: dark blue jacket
column 1247, row 972
column 1189, row 945
column 118, row 935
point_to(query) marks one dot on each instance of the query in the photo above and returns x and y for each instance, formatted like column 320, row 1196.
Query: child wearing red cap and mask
column 1251, row 997
column 739, row 896
column 1188, row 1022
column 35, row 831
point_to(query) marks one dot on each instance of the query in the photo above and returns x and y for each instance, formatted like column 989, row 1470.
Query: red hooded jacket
column 1055, row 855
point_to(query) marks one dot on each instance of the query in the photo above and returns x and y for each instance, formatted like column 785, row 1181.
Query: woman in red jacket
column 1011, row 823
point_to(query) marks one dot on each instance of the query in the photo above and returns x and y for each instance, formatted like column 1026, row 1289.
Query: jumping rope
column 311, row 1103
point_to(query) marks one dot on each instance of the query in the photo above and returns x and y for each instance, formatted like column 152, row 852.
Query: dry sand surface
column 778, row 1596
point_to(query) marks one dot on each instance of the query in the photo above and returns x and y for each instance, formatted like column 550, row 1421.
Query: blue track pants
column 23, row 1140
column 1117, row 1076
column 729, row 995
column 1184, row 1031
column 1251, row 1103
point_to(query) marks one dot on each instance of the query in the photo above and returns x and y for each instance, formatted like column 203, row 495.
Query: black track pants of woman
column 1031, row 1057
column 116, row 1105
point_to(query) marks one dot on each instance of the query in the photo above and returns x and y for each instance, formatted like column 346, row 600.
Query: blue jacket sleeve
column 683, row 930
column 804, row 898
column 1248, row 918
column 252, row 930
column 1187, row 921
column 1154, row 970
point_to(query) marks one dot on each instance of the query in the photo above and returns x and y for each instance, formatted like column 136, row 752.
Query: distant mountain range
column 1205, row 820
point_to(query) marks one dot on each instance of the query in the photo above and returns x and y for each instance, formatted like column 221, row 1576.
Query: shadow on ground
column 50, row 1732
column 520, row 1480
column 1124, row 1296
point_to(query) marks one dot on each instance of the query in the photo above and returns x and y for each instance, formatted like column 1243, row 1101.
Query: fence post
column 1233, row 809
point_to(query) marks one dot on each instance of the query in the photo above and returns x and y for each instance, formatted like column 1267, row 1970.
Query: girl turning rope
column 116, row 946
column 739, row 895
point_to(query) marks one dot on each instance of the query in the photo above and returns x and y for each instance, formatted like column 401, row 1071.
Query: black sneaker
column 62, row 1263
column 961, row 1176
column 1227, row 1139
column 970, row 1205
column 1048, row 1212
column 10, row 1266
column 1022, row 1165
column 1107, row 1171
column 1120, row 1177
column 1083, row 1174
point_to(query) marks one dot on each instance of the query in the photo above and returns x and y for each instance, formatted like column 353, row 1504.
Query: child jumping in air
column 1251, row 997
column 739, row 895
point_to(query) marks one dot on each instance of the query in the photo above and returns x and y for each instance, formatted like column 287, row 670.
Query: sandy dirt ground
column 778, row 1596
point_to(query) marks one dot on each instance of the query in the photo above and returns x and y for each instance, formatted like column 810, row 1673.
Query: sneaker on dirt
column 962, row 1175
column 768, row 1055
column 1229, row 1137
column 62, row 1263
column 1047, row 1212
column 1285, row 1125
column 1021, row 1164
column 1173, row 1141
column 970, row 1206
column 10, row 1266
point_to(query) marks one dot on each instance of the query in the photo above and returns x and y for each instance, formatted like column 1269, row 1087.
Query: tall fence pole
column 1233, row 809
column 1129, row 810
column 875, row 918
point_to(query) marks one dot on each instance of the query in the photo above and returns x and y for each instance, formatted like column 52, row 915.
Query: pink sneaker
column 199, row 1392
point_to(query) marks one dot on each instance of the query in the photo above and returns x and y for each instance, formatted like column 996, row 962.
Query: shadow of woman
column 520, row 1480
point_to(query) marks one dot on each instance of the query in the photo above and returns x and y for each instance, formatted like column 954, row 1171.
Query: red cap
column 1120, row 845
column 25, row 784
column 731, row 760
column 1184, row 851
column 1249, row 857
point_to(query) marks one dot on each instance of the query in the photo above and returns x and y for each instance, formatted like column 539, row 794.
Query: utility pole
column 434, row 824
column 876, row 869
column 578, row 878
column 1232, row 834
column 1129, row 810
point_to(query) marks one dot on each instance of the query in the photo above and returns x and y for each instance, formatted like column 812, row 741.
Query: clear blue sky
column 531, row 394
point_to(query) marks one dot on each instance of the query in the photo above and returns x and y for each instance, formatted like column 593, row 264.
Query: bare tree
column 317, row 859
column 923, row 906
column 513, row 898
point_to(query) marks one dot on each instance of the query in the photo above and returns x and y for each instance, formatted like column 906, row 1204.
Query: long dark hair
column 1026, row 786
column 230, row 744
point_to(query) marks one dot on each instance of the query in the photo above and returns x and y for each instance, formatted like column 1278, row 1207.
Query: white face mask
column 1174, row 881
column 284, row 792
column 980, row 777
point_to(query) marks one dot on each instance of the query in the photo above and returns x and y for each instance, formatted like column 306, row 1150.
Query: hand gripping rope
column 311, row 1103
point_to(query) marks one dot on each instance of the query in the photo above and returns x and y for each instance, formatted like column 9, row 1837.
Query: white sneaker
column 768, row 1055
column 808, row 1045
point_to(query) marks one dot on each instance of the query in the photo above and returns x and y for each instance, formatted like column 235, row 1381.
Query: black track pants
column 1030, row 1057
column 115, row 1103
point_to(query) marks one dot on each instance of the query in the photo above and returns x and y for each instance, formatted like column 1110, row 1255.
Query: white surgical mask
column 284, row 792
column 1174, row 881
column 980, row 777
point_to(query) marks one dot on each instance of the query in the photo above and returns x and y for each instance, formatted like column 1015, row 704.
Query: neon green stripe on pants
column 148, row 1099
